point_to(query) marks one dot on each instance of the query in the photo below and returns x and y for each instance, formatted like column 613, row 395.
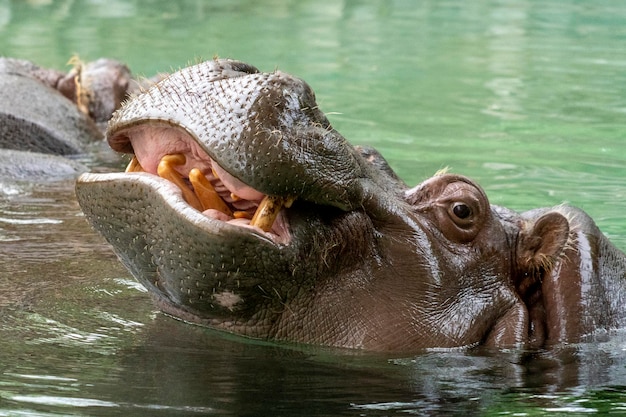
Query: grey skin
column 367, row 262
column 48, row 111
column 47, row 115
column 36, row 117
column 97, row 88
column 33, row 166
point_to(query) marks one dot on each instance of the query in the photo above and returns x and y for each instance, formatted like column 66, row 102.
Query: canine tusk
column 266, row 213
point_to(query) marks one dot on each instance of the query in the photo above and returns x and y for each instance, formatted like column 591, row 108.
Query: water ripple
column 30, row 221
column 72, row 402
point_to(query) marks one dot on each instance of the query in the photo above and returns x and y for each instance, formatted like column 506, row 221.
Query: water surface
column 526, row 97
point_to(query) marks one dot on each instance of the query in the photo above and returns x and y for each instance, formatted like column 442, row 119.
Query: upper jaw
column 255, row 136
column 263, row 128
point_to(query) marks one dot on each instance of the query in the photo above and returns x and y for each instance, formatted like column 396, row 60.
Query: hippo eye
column 461, row 210
column 455, row 205
column 463, row 213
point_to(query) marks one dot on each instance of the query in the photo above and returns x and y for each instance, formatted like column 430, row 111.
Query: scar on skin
column 227, row 299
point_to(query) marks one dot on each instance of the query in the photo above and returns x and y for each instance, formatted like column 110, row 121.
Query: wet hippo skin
column 48, row 117
column 244, row 210
column 35, row 116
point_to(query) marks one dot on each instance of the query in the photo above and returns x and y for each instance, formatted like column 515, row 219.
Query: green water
column 526, row 97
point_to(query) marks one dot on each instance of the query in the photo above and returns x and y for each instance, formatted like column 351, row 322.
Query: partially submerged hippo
column 35, row 114
column 46, row 114
column 244, row 210
column 24, row 166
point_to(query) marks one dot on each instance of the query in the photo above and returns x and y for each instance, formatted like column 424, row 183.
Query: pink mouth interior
column 152, row 143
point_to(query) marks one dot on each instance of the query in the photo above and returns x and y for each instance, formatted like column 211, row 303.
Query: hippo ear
column 542, row 242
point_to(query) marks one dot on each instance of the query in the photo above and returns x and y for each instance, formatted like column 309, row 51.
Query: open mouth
column 208, row 188
column 240, row 145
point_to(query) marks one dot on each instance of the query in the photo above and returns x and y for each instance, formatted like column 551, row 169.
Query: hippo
column 49, row 116
column 29, row 167
column 36, row 116
column 243, row 209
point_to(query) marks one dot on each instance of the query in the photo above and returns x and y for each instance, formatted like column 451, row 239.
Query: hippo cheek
column 204, row 267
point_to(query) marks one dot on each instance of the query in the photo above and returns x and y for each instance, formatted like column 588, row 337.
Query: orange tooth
column 289, row 201
column 134, row 166
column 234, row 197
column 241, row 215
column 267, row 212
column 207, row 195
column 175, row 159
column 166, row 170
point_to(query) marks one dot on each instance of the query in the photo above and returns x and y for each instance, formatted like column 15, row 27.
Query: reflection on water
column 507, row 45
column 527, row 97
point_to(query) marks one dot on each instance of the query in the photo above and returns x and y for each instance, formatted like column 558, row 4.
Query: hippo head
column 97, row 87
column 244, row 210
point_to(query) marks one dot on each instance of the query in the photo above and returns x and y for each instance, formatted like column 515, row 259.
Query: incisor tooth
column 175, row 159
column 241, row 214
column 207, row 195
column 134, row 166
column 268, row 210
column 204, row 197
column 289, row 201
column 166, row 170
